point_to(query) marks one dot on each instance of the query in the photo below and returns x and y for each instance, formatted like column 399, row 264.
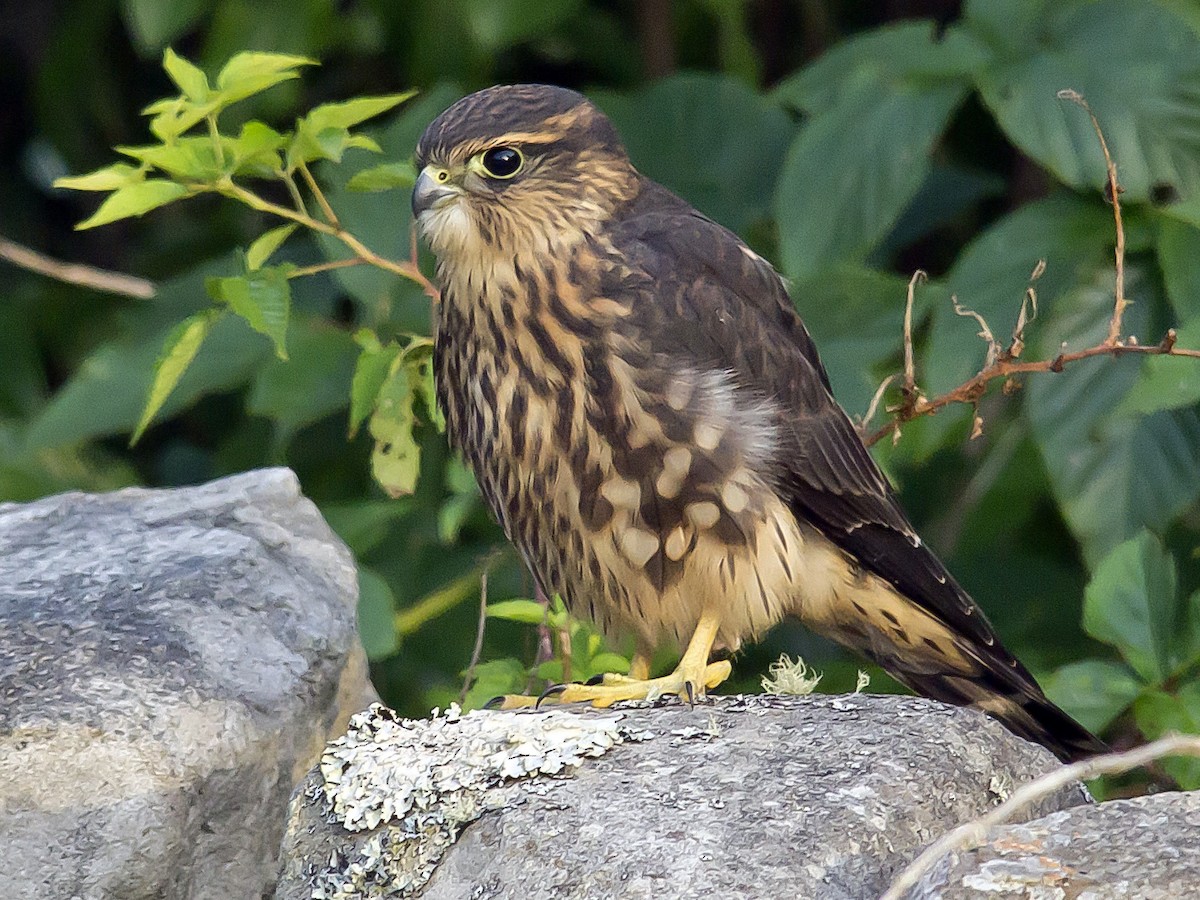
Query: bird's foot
column 689, row 682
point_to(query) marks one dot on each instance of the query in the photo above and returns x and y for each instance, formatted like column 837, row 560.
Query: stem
column 76, row 273
column 407, row 269
column 315, row 188
column 215, row 134
column 297, row 198
column 325, row 267
column 433, row 605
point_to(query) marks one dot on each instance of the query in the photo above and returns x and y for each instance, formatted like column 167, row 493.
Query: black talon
column 691, row 692
column 595, row 680
column 549, row 692
column 495, row 702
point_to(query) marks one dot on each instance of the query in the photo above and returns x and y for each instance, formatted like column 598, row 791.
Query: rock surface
column 171, row 663
column 746, row 797
column 1148, row 848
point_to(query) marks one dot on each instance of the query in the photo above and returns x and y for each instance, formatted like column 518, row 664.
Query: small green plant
column 393, row 378
column 580, row 652
column 1133, row 604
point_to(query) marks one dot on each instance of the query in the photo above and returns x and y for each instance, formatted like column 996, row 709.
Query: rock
column 171, row 663
column 739, row 797
column 1148, row 848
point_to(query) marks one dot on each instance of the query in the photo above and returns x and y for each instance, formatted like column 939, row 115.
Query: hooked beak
column 428, row 192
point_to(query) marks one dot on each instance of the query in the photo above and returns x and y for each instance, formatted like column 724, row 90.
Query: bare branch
column 1114, row 193
column 1005, row 364
column 910, row 369
column 971, row 834
column 479, row 629
column 76, row 273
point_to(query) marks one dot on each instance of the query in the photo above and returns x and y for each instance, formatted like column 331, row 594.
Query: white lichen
column 420, row 781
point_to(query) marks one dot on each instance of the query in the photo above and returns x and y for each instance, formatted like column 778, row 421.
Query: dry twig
column 1005, row 363
column 478, row 650
column 971, row 834
column 76, row 273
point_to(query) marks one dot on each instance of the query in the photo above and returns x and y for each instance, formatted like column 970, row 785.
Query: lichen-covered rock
column 171, row 663
column 1148, row 848
column 738, row 797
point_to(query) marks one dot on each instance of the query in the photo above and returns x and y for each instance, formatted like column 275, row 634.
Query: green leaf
column 370, row 372
column 365, row 524
column 1167, row 382
column 497, row 24
column 529, row 612
column 1093, row 691
column 690, row 132
column 882, row 141
column 1112, row 474
column 1178, row 248
column 134, row 200
column 188, row 158
column 181, row 347
column 266, row 244
column 418, row 356
column 386, row 177
column 256, row 150
column 396, row 458
column 1158, row 713
column 1150, row 115
column 1130, row 603
column 376, row 615
column 187, row 77
column 253, row 72
column 311, row 385
column 906, row 56
column 153, row 23
column 493, row 678
column 173, row 117
column 263, row 298
column 608, row 661
column 110, row 178
column 324, row 133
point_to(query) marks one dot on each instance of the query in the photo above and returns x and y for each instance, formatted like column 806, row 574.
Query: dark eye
column 502, row 162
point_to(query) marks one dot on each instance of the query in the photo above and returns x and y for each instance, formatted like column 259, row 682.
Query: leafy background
column 850, row 143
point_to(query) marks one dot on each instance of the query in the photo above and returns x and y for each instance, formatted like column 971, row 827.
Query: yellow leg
column 691, row 679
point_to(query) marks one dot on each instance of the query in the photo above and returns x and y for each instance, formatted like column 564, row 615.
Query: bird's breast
column 634, row 483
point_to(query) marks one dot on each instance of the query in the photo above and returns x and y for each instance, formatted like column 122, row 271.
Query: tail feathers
column 1017, row 703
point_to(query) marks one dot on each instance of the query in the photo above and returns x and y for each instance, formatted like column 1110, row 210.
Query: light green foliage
column 288, row 325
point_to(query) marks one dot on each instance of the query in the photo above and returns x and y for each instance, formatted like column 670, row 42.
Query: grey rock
column 738, row 797
column 1147, row 847
column 171, row 663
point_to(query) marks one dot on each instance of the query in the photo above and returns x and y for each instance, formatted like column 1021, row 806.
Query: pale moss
column 786, row 677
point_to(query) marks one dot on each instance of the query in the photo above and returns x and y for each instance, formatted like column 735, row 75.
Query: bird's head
column 518, row 167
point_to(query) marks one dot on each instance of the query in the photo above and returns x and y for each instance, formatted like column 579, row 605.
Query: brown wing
column 711, row 303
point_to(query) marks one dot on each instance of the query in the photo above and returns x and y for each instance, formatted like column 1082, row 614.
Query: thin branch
column 76, row 273
column 407, row 269
column 909, row 386
column 1006, row 364
column 971, row 834
column 1114, row 192
column 293, row 191
column 315, row 188
column 971, row 389
column 479, row 629
column 326, row 267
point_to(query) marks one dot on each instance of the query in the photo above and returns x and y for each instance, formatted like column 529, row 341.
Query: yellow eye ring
column 501, row 162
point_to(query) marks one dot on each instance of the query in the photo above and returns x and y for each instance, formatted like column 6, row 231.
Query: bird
column 650, row 422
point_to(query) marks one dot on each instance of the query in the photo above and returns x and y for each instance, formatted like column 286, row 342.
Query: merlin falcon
column 649, row 421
